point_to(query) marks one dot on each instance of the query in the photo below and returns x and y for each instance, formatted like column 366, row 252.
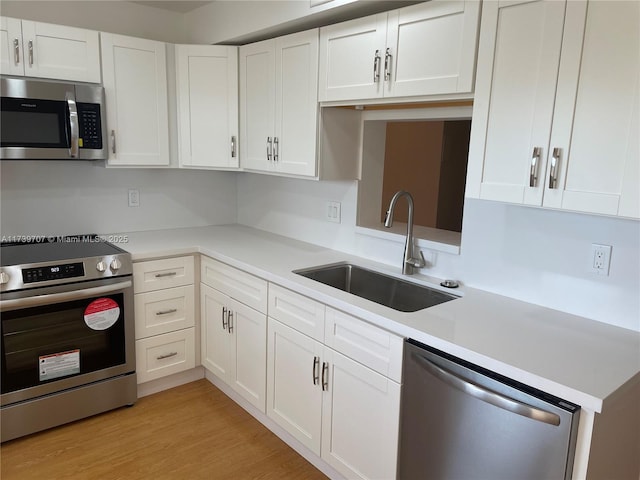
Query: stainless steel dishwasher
column 462, row 422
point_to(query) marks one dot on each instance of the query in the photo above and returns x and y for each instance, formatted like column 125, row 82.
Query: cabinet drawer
column 165, row 273
column 372, row 346
column 164, row 311
column 165, row 354
column 239, row 285
column 297, row 311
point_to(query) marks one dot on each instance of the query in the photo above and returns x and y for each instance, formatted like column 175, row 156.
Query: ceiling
column 180, row 6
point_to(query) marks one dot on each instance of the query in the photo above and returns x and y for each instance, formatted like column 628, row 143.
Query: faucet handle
column 417, row 262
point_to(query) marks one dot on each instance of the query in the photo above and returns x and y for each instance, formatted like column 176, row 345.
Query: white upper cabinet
column 135, row 83
column 425, row 49
column 279, row 104
column 207, row 85
column 556, row 112
column 45, row 50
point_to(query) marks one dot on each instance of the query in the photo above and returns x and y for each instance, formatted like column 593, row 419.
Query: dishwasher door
column 462, row 422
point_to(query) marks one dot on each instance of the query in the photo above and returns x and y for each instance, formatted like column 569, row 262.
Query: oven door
column 57, row 338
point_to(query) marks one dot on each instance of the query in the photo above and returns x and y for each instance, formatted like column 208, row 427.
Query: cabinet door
column 595, row 123
column 135, row 83
column 207, row 83
column 11, row 58
column 351, row 59
column 60, row 52
column 257, row 104
column 248, row 352
column 296, row 103
column 215, row 336
column 294, row 391
column 360, row 420
column 432, row 48
column 518, row 59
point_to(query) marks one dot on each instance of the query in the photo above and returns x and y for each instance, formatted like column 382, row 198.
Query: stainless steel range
column 67, row 332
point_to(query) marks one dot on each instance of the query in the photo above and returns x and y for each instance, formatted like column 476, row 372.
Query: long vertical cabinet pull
column 16, row 51
column 387, row 65
column 233, row 146
column 113, row 142
column 325, row 376
column 535, row 159
column 224, row 318
column 269, row 149
column 376, row 67
column 30, row 53
column 553, row 173
column 276, row 148
column 230, row 320
column 314, row 372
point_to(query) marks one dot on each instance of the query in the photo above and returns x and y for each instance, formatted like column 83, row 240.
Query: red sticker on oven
column 101, row 313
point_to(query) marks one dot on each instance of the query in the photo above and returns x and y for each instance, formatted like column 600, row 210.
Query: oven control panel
column 52, row 272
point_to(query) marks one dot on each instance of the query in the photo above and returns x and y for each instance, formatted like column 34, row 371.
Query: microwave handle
column 73, row 121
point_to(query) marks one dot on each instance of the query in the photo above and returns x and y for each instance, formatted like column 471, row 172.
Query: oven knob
column 115, row 265
column 4, row 278
column 101, row 266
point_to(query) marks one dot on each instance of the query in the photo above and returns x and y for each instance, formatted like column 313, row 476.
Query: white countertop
column 580, row 360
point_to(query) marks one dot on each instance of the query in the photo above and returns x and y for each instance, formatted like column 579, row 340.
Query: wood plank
column 191, row 431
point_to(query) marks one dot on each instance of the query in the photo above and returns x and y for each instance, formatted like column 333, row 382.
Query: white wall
column 109, row 16
column 536, row 255
column 66, row 197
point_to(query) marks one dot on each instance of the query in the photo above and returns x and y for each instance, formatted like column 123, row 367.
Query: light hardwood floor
column 189, row 432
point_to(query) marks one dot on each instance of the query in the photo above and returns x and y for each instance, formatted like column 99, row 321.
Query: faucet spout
column 409, row 262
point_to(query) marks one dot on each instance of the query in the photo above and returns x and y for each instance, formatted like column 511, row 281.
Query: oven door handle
column 37, row 300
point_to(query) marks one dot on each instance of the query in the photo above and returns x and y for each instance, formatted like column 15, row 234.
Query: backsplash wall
column 65, row 197
column 535, row 255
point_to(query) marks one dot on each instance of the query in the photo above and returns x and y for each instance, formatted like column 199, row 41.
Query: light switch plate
column 333, row 212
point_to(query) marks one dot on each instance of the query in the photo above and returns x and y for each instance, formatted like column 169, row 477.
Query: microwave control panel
column 90, row 126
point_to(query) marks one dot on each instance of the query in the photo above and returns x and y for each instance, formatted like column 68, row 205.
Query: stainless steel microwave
column 45, row 120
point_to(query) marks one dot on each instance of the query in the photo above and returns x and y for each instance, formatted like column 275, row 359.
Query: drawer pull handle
column 224, row 318
column 167, row 274
column 315, row 372
column 230, row 320
column 325, row 376
column 167, row 312
column 167, row 355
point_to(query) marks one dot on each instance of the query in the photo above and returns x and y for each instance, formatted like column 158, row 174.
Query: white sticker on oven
column 101, row 313
column 59, row 365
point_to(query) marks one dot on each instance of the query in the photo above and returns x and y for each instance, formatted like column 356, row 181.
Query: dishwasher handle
column 487, row 395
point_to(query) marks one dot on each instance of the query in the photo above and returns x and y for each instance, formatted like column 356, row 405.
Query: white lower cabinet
column 342, row 410
column 165, row 354
column 233, row 337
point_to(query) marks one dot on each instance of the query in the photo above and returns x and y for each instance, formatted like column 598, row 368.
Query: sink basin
column 377, row 287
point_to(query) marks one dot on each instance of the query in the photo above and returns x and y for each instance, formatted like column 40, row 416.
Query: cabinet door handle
column 113, row 142
column 233, row 146
column 224, row 318
column 30, row 53
column 535, row 158
column 555, row 161
column 376, row 67
column 276, row 148
column 166, row 312
column 167, row 355
column 325, row 376
column 230, row 320
column 269, row 149
column 167, row 274
column 387, row 65
column 16, row 51
column 315, row 373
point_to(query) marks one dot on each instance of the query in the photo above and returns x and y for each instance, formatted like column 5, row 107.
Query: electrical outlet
column 600, row 258
column 333, row 212
column 134, row 198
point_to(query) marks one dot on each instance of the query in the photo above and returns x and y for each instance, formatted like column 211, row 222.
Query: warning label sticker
column 101, row 314
column 59, row 365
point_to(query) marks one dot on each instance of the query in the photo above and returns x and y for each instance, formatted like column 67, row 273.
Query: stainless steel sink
column 377, row 287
